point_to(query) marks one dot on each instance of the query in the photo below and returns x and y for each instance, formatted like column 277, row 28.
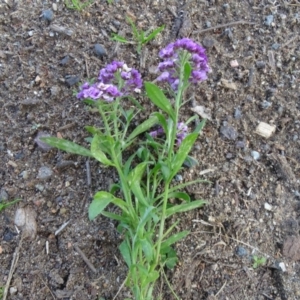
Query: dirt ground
column 253, row 199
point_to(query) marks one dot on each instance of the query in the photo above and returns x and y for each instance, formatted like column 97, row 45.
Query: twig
column 46, row 285
column 119, row 290
column 241, row 22
column 12, row 268
column 62, row 227
column 86, row 260
column 88, row 173
column 221, row 289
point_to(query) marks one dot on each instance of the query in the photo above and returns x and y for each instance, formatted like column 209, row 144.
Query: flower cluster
column 115, row 80
column 170, row 55
column 182, row 131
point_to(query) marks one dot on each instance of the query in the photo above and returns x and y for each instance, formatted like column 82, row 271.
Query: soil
column 253, row 196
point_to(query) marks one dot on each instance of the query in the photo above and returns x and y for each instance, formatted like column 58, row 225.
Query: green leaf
column 98, row 153
column 93, row 130
column 99, row 203
column 151, row 277
column 112, row 216
column 169, row 257
column 7, row 204
column 173, row 239
column 165, row 170
column 153, row 34
column 190, row 162
column 146, row 125
column 125, row 251
column 187, row 73
column 147, row 249
column 180, row 195
column 120, row 39
column 183, row 152
column 67, row 146
column 159, row 99
column 200, row 126
column 184, row 207
column 162, row 122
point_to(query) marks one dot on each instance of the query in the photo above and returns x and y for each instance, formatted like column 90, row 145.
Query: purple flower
column 109, row 86
column 182, row 131
column 169, row 66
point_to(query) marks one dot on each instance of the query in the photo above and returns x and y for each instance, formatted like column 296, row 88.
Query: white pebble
column 268, row 206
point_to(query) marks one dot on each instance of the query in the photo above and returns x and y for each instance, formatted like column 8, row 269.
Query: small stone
column 268, row 206
column 65, row 60
column 255, row 155
column 54, row 6
column 237, row 113
column 241, row 251
column 282, row 266
column 24, row 174
column 208, row 24
column 260, row 64
column 234, row 63
column 99, row 50
column 72, row 80
column 265, row 130
column 275, row 46
column 208, row 42
column 265, row 104
column 3, row 195
column 47, row 15
column 54, row 90
column 228, row 132
column 268, row 20
column 40, row 187
column 62, row 211
column 44, row 173
column 178, row 178
column 13, row 290
column 240, row 144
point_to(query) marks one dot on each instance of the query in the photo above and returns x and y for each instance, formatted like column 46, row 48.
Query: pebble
column 24, row 174
column 260, row 64
column 65, row 60
column 40, row 187
column 268, row 206
column 269, row 19
column 241, row 251
column 47, row 15
column 72, row 80
column 99, row 50
column 237, row 113
column 13, row 290
column 208, row 42
column 190, row 162
column 178, row 177
column 255, row 155
column 44, row 173
column 265, row 104
column 275, row 46
column 240, row 144
column 3, row 195
column 208, row 24
column 228, row 132
column 54, row 90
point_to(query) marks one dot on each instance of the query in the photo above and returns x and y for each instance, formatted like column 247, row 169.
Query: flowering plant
column 146, row 176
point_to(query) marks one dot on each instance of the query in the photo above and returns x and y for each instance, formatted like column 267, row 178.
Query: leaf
column 165, row 170
column 190, row 162
column 67, row 146
column 183, row 152
column 112, row 216
column 125, row 251
column 93, row 130
column 99, row 203
column 184, row 207
column 174, row 238
column 153, row 34
column 146, row 125
column 147, row 249
column 187, row 72
column 159, row 99
column 180, row 195
column 120, row 39
column 162, row 121
column 98, row 153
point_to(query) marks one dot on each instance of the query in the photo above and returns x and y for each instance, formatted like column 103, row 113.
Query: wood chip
column 202, row 111
column 228, row 84
column 26, row 219
column 265, row 130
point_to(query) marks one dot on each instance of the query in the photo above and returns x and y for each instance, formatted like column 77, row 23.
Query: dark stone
column 72, row 80
column 99, row 50
column 47, row 15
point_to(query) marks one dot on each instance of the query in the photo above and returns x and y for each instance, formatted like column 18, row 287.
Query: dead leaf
column 202, row 111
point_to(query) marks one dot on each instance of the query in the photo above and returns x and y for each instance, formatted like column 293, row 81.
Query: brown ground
column 35, row 97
